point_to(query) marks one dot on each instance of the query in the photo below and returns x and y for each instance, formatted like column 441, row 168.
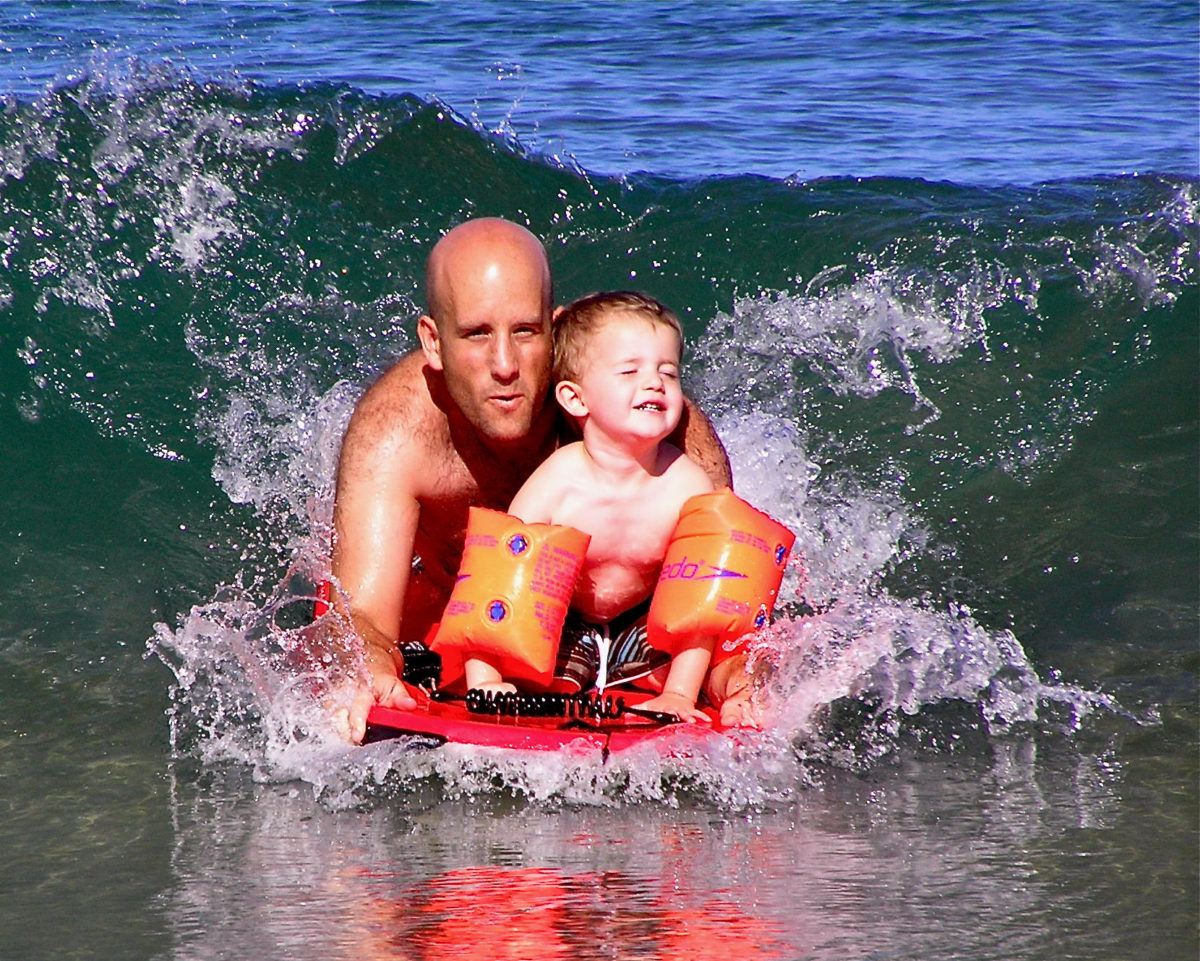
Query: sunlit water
column 974, row 403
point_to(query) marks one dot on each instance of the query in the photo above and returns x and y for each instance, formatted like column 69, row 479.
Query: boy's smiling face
column 630, row 387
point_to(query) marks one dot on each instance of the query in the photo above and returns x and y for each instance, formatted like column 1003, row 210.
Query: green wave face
column 956, row 395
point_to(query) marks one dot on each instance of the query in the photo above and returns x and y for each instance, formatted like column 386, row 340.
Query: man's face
column 494, row 348
column 630, row 384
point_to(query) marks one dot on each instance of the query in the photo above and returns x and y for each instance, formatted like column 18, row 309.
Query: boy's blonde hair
column 580, row 320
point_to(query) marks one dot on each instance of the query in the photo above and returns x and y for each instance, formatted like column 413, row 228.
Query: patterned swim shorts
column 600, row 656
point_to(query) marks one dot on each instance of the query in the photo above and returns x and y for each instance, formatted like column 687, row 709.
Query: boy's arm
column 532, row 502
column 685, row 478
column 529, row 504
column 682, row 686
column 688, row 668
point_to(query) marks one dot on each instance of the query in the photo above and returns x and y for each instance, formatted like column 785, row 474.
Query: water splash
column 834, row 394
column 841, row 639
column 859, row 338
column 246, row 672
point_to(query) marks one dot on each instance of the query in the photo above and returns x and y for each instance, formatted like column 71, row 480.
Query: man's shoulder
column 397, row 407
column 403, row 383
column 395, row 422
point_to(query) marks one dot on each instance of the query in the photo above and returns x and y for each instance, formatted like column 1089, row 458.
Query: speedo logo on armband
column 685, row 570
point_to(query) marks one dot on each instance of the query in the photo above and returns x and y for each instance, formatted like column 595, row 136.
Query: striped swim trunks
column 604, row 655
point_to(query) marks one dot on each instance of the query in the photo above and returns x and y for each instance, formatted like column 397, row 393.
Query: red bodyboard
column 451, row 721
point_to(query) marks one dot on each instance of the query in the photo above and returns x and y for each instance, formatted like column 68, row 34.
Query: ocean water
column 938, row 266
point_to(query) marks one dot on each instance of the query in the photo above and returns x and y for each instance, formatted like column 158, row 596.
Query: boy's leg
column 578, row 662
column 631, row 659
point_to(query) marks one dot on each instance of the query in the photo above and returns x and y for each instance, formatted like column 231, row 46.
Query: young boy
column 616, row 371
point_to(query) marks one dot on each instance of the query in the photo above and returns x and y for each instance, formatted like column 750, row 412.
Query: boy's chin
column 652, row 438
column 638, row 443
column 652, row 431
column 639, row 437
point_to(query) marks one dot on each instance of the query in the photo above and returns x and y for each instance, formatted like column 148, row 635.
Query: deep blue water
column 985, row 93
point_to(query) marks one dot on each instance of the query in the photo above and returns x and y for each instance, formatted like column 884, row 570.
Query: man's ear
column 570, row 398
column 556, row 314
column 431, row 342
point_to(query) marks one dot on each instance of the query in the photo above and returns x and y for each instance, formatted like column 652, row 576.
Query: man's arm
column 696, row 437
column 375, row 524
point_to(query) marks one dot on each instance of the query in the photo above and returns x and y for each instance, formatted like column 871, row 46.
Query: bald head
column 488, row 253
column 487, row 336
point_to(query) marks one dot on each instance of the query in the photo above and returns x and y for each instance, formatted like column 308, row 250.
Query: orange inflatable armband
column 511, row 596
column 720, row 577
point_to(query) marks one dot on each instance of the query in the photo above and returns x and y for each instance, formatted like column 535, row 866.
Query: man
column 463, row 421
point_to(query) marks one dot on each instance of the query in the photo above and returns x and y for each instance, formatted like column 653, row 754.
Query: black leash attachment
column 593, row 707
column 422, row 667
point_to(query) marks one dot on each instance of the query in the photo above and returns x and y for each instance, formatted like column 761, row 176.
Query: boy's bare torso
column 630, row 525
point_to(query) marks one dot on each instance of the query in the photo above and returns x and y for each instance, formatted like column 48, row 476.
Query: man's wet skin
column 463, row 421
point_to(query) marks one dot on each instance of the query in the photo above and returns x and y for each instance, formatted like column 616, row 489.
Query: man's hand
column 383, row 665
column 742, row 710
column 730, row 688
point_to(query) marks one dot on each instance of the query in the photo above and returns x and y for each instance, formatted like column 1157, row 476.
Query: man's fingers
column 340, row 719
column 350, row 722
column 741, row 714
column 391, row 692
column 356, row 715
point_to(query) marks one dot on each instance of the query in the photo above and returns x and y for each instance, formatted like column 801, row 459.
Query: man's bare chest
column 445, row 505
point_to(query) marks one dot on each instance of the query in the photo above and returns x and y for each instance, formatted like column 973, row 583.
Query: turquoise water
column 938, row 268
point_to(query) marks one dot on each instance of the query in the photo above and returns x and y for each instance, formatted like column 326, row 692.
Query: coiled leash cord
column 597, row 707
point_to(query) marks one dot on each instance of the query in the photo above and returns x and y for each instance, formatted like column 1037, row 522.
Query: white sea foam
column 857, row 339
